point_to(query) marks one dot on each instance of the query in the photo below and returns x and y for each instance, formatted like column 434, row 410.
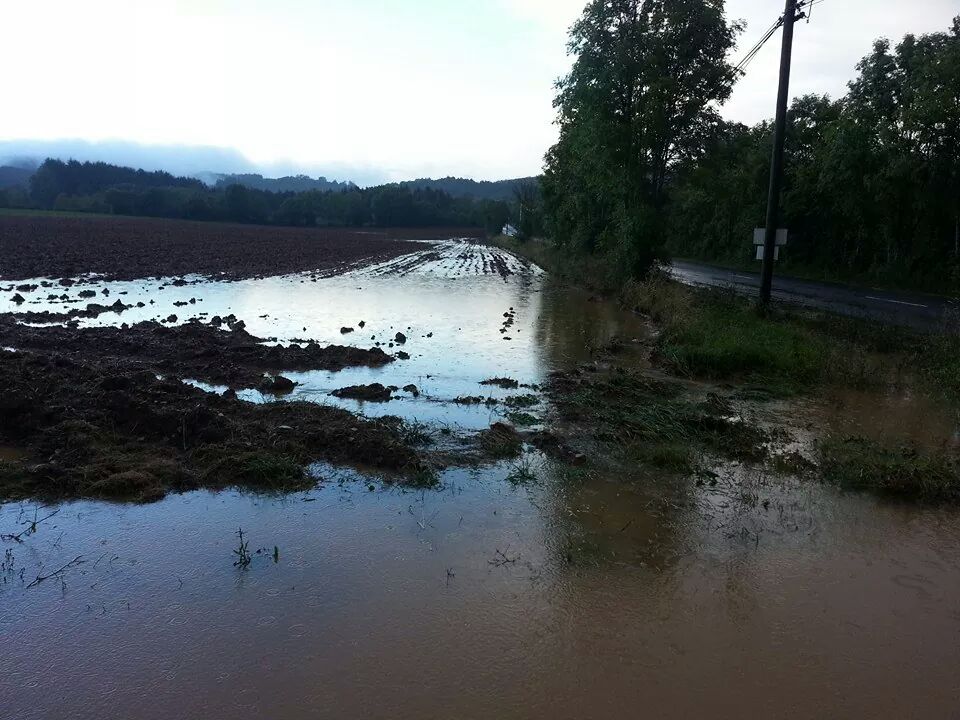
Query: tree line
column 645, row 166
column 103, row 188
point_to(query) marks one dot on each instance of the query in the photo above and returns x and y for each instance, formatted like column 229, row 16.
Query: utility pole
column 776, row 164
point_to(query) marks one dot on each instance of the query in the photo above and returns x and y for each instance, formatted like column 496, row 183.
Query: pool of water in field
column 520, row 589
column 449, row 302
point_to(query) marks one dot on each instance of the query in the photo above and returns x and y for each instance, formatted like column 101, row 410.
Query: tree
column 641, row 99
column 529, row 209
column 872, row 183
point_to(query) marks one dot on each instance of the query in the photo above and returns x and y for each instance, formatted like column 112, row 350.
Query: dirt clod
column 369, row 393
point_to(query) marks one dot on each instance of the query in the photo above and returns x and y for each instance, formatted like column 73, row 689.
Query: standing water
column 516, row 589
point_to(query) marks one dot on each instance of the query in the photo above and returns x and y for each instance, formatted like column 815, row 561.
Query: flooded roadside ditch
column 526, row 586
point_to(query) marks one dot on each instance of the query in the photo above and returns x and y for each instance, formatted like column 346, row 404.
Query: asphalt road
column 915, row 310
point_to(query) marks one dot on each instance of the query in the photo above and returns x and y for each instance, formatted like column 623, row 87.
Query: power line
column 755, row 50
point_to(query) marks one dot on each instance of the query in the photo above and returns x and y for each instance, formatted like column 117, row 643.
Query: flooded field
column 520, row 588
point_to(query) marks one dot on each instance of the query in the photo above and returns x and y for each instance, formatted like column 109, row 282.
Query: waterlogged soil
column 95, row 429
column 122, row 248
column 567, row 579
column 203, row 351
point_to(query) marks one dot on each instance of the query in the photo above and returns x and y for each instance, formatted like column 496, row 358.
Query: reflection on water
column 567, row 598
column 579, row 593
column 899, row 415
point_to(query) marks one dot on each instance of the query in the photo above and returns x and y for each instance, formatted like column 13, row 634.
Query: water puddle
column 898, row 415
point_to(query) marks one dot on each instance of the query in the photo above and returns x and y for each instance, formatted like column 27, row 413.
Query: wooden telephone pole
column 776, row 164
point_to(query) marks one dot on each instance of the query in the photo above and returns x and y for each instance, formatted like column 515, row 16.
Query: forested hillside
column 103, row 188
column 462, row 187
column 290, row 183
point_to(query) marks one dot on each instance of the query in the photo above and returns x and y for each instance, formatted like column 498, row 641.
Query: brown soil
column 193, row 351
column 502, row 382
column 370, row 393
column 92, row 310
column 501, row 441
column 103, row 428
column 121, row 248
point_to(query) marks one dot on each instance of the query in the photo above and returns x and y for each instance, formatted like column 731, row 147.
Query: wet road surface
column 913, row 310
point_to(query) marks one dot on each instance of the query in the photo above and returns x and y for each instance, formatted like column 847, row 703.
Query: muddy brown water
column 577, row 593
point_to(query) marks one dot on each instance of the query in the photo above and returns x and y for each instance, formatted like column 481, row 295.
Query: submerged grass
column 655, row 422
column 523, row 473
column 675, row 457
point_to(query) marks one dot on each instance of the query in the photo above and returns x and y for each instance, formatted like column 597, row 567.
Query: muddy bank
column 121, row 248
column 193, row 351
column 97, row 428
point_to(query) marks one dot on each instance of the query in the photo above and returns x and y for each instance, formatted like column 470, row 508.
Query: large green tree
column 641, row 98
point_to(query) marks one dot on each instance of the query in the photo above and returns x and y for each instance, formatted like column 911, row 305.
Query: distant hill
column 17, row 174
column 463, row 188
column 12, row 176
column 291, row 183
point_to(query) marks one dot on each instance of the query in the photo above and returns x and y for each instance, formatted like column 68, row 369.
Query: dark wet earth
column 523, row 588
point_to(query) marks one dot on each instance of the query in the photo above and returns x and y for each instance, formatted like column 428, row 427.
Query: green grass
column 900, row 472
column 939, row 361
column 538, row 252
column 521, row 401
column 720, row 336
column 596, row 272
column 522, row 419
column 726, row 339
column 717, row 335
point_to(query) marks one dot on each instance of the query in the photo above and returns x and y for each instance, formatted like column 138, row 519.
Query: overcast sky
column 390, row 88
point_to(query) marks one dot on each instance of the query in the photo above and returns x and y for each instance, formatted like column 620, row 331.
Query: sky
column 368, row 90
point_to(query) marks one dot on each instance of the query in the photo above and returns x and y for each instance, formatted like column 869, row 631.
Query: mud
column 501, row 441
column 101, row 428
column 369, row 393
column 92, row 310
column 504, row 383
column 192, row 351
column 121, row 248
